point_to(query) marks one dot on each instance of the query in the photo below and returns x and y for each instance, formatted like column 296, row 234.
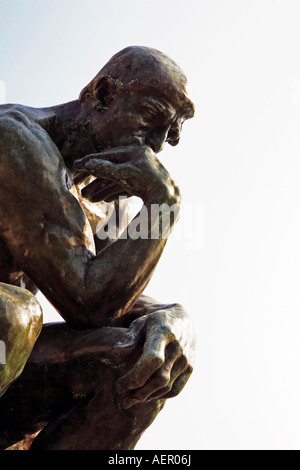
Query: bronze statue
column 97, row 380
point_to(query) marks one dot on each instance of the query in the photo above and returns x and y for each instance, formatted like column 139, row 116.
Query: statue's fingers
column 150, row 361
column 179, row 384
column 161, row 378
column 79, row 165
column 114, row 155
column 103, row 169
column 100, row 168
column 107, row 192
column 97, row 186
column 178, row 369
column 114, row 196
column 114, row 172
column 80, row 177
column 133, row 335
column 129, row 346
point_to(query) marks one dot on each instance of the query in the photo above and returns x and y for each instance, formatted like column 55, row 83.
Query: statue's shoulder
column 20, row 135
column 16, row 121
column 13, row 117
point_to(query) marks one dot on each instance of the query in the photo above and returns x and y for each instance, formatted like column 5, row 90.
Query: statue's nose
column 174, row 134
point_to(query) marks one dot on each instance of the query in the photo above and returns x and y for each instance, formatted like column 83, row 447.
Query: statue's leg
column 67, row 389
column 20, row 326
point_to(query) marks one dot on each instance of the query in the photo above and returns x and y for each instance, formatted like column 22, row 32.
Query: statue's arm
column 44, row 228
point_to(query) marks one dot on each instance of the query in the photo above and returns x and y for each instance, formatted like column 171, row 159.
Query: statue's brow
column 157, row 107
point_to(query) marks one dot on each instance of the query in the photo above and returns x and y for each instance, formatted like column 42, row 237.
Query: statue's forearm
column 118, row 275
column 144, row 306
column 109, row 283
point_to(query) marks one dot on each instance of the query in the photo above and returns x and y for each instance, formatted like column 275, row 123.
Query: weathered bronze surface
column 97, row 380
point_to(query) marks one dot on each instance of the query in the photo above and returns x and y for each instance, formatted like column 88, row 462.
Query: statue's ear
column 101, row 89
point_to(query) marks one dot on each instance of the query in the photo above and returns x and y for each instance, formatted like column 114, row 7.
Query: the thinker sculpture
column 97, row 380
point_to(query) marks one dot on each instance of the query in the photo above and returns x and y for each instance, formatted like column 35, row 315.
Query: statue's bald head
column 145, row 69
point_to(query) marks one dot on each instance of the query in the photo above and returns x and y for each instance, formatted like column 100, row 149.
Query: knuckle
column 171, row 393
column 163, row 331
column 161, row 380
column 181, row 364
column 155, row 360
column 167, row 389
column 92, row 164
column 176, row 347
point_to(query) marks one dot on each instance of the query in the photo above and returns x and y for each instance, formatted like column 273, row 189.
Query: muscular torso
column 16, row 126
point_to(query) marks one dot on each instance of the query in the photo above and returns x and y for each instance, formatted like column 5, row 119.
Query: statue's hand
column 132, row 170
column 167, row 359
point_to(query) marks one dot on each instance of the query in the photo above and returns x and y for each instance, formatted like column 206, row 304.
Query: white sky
column 238, row 168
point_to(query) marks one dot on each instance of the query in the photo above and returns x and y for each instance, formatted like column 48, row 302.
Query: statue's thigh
column 20, row 326
column 67, row 390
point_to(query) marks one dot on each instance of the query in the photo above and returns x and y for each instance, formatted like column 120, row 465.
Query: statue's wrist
column 163, row 194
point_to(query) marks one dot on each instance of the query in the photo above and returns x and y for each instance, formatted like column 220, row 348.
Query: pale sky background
column 234, row 262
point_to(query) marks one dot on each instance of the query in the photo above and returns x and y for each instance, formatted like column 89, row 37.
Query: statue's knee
column 20, row 325
column 20, row 312
column 32, row 318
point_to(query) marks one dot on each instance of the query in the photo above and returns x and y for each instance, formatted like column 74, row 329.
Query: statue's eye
column 153, row 112
column 153, row 117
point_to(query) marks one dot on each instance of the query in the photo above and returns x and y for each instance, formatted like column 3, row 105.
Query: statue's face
column 138, row 119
